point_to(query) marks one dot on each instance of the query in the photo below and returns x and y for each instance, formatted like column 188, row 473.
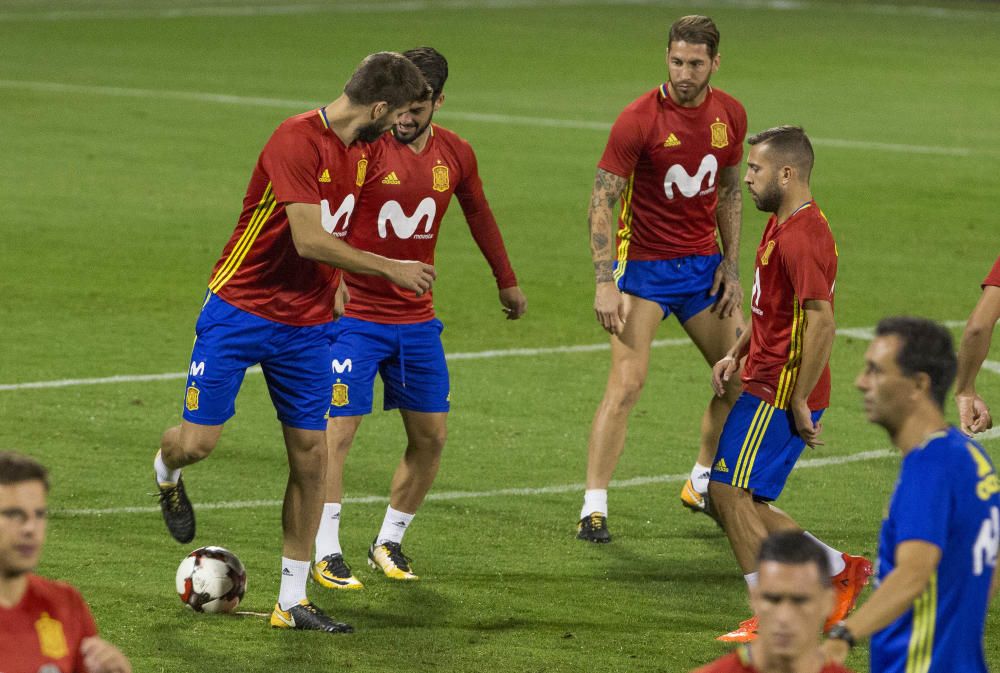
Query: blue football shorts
column 758, row 447
column 295, row 361
column 409, row 359
column 679, row 285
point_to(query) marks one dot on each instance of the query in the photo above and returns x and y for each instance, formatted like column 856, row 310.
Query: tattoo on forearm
column 608, row 188
column 604, row 271
column 729, row 211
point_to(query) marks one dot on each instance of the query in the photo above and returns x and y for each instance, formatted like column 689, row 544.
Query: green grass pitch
column 123, row 165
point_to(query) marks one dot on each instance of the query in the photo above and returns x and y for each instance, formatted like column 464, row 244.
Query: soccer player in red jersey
column 793, row 596
column 393, row 331
column 270, row 301
column 973, row 413
column 786, row 377
column 673, row 161
column 45, row 626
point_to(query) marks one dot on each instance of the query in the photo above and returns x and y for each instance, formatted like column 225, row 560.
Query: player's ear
column 715, row 63
column 378, row 110
column 439, row 101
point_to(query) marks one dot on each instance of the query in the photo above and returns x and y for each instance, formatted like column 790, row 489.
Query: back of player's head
column 695, row 29
column 794, row 548
column 789, row 145
column 16, row 468
column 432, row 65
column 387, row 76
column 926, row 347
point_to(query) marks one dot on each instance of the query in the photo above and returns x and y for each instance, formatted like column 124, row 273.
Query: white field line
column 424, row 5
column 463, row 495
column 509, row 120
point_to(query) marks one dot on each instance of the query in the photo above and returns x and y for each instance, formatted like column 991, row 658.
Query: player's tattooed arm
column 728, row 217
column 608, row 189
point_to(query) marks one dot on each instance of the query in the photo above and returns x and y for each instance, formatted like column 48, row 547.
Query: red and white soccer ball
column 211, row 579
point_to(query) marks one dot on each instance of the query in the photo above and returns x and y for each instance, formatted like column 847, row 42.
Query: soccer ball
column 211, row 579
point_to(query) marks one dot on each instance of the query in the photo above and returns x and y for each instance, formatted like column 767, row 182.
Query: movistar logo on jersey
column 337, row 223
column 390, row 179
column 690, row 185
column 405, row 226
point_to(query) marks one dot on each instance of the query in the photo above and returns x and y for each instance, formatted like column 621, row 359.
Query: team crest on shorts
column 191, row 398
column 51, row 639
column 339, row 398
column 766, row 255
column 441, row 183
column 362, row 171
column 720, row 135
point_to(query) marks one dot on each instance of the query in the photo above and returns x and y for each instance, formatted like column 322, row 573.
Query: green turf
column 118, row 203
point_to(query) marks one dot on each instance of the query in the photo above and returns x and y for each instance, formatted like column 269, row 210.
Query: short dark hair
column 16, row 468
column 387, row 76
column 695, row 29
column 926, row 347
column 794, row 548
column 791, row 145
column 432, row 65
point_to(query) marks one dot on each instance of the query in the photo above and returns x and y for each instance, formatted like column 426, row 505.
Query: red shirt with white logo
column 399, row 213
column 45, row 629
column 672, row 156
column 993, row 277
column 739, row 661
column 260, row 270
column 796, row 262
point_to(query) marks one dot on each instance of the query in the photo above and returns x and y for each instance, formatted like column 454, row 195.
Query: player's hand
column 804, row 424
column 973, row 414
column 411, row 275
column 340, row 299
column 727, row 290
column 722, row 371
column 835, row 650
column 609, row 307
column 514, row 302
column 100, row 656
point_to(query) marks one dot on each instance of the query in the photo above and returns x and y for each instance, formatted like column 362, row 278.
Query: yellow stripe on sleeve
column 239, row 252
column 626, row 232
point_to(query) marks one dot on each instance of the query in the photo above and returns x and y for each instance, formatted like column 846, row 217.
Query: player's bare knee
column 196, row 447
column 623, row 394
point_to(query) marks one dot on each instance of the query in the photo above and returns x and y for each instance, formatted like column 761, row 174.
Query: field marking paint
column 515, row 120
column 425, row 5
column 475, row 495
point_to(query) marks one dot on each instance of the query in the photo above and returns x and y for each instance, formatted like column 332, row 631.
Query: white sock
column 594, row 500
column 751, row 579
column 699, row 477
column 328, row 535
column 394, row 525
column 293, row 582
column 164, row 474
column 837, row 563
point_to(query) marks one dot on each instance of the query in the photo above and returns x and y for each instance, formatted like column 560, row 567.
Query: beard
column 408, row 137
column 371, row 132
column 767, row 200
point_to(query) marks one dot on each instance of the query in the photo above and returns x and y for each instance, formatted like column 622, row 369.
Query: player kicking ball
column 394, row 332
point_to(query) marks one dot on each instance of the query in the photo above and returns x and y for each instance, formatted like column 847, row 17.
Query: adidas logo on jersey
column 721, row 466
column 671, row 141
column 325, row 177
column 390, row 179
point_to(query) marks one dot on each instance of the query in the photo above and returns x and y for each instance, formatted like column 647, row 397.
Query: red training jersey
column 796, row 262
column 993, row 277
column 44, row 630
column 260, row 270
column 672, row 157
column 402, row 202
column 738, row 661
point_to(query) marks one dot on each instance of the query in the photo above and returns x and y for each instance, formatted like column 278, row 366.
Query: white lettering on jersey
column 987, row 546
column 341, row 367
column 755, row 293
column 197, row 368
column 690, row 185
column 404, row 226
column 331, row 221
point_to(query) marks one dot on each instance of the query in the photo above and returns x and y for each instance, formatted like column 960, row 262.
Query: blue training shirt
column 947, row 495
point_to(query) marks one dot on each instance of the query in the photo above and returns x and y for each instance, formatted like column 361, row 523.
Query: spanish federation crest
column 191, row 398
column 362, row 171
column 720, row 134
column 51, row 638
column 766, row 255
column 339, row 398
column 441, row 183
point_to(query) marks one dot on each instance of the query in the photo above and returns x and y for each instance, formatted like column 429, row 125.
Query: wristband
column 839, row 631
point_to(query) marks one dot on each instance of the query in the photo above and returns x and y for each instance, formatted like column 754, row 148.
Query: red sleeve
column 85, row 623
column 810, row 259
column 291, row 161
column 739, row 132
column 482, row 224
column 625, row 144
column 993, row 277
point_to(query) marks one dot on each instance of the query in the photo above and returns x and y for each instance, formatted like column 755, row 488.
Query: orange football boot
column 744, row 633
column 847, row 586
